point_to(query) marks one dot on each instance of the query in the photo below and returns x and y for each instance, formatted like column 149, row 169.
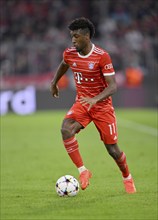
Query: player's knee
column 112, row 150
column 66, row 133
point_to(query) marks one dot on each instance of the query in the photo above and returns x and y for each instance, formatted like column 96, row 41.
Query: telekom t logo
column 78, row 76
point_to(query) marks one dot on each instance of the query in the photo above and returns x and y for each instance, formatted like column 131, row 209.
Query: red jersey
column 89, row 72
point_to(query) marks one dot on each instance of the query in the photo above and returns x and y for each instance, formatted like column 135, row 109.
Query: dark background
column 33, row 35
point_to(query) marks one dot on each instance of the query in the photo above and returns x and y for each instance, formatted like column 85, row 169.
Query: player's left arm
column 108, row 91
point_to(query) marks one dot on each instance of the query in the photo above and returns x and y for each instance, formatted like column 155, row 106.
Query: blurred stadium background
column 33, row 35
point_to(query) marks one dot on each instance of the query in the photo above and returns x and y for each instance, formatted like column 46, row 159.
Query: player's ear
column 87, row 35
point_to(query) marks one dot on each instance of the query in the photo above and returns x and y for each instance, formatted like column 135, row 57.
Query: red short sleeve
column 65, row 56
column 106, row 65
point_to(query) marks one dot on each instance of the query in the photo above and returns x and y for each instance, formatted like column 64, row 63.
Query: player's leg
column 108, row 133
column 69, row 128
column 72, row 124
column 120, row 159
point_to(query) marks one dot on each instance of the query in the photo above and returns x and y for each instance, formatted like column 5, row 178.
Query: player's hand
column 88, row 100
column 54, row 90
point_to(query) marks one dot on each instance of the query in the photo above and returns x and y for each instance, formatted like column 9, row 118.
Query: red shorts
column 105, row 121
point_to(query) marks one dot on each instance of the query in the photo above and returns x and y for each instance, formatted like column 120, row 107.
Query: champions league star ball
column 67, row 186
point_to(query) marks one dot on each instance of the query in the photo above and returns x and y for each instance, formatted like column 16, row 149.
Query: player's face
column 79, row 40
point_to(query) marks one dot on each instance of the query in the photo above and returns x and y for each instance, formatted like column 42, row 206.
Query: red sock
column 122, row 164
column 71, row 146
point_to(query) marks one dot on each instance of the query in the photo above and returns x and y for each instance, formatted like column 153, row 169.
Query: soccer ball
column 67, row 186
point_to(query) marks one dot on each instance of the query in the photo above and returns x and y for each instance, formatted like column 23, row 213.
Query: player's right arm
column 63, row 67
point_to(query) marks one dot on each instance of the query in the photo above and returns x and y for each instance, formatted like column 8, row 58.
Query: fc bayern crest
column 91, row 65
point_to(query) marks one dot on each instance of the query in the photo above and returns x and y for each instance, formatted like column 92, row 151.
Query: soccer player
column 95, row 83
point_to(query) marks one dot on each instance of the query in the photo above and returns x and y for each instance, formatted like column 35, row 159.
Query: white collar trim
column 88, row 53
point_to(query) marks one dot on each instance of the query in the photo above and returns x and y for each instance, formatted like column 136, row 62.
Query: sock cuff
column 70, row 139
column 128, row 177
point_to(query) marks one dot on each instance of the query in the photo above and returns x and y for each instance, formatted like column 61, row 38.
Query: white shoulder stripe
column 71, row 49
column 98, row 51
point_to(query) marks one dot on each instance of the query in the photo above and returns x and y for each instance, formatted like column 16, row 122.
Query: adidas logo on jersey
column 69, row 112
column 115, row 137
column 74, row 64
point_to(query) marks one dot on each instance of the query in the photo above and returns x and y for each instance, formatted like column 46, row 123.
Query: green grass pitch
column 33, row 158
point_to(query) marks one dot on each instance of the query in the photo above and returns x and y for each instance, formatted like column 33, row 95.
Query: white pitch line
column 138, row 127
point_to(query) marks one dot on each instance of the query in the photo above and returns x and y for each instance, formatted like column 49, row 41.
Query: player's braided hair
column 82, row 23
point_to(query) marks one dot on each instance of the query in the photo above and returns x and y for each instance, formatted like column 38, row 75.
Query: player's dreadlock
column 82, row 23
